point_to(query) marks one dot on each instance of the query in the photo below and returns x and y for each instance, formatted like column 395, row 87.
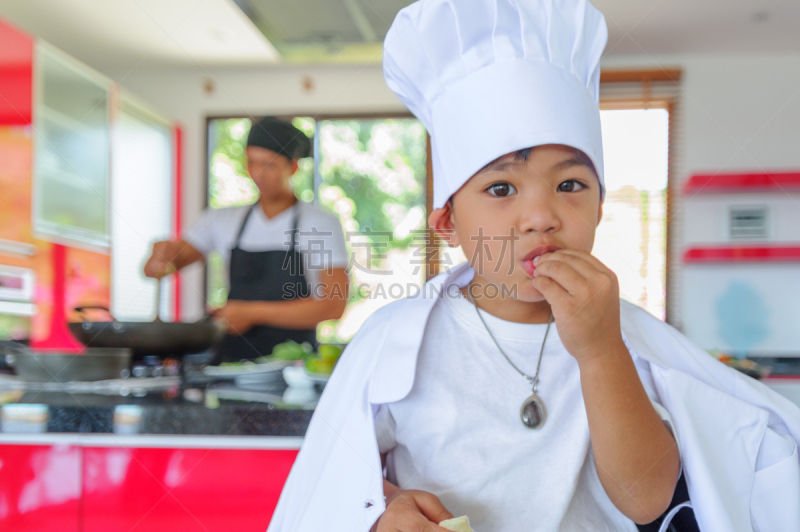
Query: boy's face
column 270, row 171
column 514, row 210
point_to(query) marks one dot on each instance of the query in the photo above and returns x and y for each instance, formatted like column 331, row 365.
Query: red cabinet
column 73, row 488
column 189, row 490
column 40, row 488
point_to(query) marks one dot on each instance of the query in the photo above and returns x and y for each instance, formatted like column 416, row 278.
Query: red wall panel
column 16, row 77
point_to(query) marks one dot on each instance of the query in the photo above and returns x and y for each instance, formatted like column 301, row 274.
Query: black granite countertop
column 185, row 410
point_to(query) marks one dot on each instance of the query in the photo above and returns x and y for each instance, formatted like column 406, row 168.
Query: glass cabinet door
column 71, row 145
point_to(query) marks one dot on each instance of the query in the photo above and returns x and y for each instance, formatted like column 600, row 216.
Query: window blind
column 141, row 203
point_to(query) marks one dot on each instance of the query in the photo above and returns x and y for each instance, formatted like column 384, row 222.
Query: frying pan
column 159, row 338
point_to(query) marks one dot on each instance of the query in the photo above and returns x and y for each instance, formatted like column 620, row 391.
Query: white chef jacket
column 738, row 438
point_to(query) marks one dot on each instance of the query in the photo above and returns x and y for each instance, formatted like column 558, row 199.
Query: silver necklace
column 532, row 412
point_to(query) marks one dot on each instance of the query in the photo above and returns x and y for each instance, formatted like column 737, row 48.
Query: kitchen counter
column 117, row 456
column 201, row 410
column 59, row 413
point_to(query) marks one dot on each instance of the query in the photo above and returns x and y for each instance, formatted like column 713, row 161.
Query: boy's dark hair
column 523, row 154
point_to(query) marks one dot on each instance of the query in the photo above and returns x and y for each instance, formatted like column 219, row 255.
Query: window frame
column 646, row 99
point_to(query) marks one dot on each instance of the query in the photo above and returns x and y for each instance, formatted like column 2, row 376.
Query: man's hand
column 169, row 257
column 584, row 297
column 413, row 511
column 237, row 316
column 161, row 262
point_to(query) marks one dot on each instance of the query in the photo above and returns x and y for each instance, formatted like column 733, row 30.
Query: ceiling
column 129, row 33
column 126, row 33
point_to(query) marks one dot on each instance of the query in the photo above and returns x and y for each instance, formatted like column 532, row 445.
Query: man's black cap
column 279, row 136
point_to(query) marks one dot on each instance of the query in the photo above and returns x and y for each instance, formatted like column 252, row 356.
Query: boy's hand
column 584, row 297
column 413, row 511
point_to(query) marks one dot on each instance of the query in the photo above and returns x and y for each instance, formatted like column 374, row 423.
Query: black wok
column 157, row 338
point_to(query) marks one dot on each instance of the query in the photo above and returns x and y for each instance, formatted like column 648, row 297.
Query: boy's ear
column 441, row 220
column 295, row 166
column 600, row 213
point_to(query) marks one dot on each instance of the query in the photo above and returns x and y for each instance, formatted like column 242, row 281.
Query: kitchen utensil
column 157, row 338
column 169, row 270
column 296, row 377
column 96, row 364
column 318, row 378
column 158, row 298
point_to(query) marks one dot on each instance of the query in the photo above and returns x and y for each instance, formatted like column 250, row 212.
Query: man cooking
column 286, row 259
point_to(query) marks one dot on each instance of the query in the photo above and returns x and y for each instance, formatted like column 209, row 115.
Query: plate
column 232, row 372
column 234, row 393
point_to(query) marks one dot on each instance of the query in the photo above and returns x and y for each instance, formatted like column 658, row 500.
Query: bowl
column 295, row 377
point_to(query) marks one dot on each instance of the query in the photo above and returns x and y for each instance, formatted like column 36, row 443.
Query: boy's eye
column 501, row 190
column 571, row 186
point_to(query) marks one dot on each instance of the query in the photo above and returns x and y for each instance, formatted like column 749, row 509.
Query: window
column 631, row 238
column 372, row 173
column 640, row 111
column 230, row 186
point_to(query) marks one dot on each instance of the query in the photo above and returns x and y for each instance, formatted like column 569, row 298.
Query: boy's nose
column 538, row 216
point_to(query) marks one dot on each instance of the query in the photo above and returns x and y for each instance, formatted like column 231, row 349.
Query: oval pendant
column 532, row 412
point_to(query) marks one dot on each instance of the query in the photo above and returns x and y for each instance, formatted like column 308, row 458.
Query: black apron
column 265, row 276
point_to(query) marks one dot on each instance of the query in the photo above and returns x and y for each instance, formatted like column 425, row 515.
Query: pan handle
column 84, row 308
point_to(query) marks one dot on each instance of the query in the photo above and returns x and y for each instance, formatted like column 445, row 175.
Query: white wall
column 739, row 112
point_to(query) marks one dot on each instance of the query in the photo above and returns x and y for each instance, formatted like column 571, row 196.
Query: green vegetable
column 291, row 350
column 320, row 365
column 328, row 351
column 325, row 360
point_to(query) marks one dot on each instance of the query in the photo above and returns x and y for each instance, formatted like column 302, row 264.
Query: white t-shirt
column 320, row 238
column 459, row 436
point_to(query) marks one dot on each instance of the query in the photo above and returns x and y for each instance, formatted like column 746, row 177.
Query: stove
column 137, row 387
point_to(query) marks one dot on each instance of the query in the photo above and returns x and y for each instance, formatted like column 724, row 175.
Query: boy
column 527, row 396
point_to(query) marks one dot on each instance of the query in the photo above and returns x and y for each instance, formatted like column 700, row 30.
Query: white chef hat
column 490, row 77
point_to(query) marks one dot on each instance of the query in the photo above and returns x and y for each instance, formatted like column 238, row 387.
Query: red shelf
column 716, row 183
column 742, row 254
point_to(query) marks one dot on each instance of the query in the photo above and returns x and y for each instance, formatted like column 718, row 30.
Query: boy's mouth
column 527, row 260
